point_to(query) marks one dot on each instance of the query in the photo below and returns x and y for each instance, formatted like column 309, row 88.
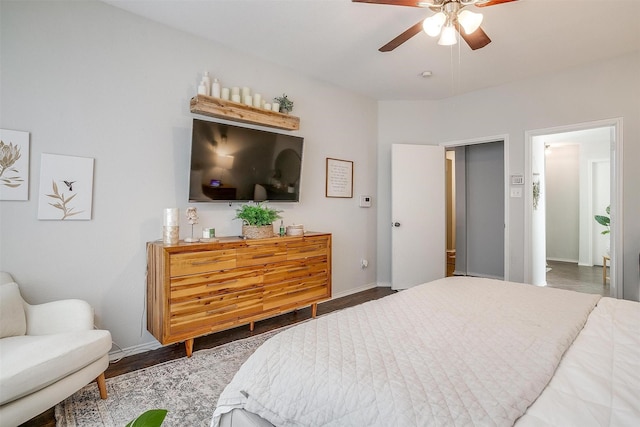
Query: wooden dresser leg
column 188, row 345
column 314, row 309
column 102, row 386
column 251, row 326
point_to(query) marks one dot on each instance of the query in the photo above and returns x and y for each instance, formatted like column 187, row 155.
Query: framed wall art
column 339, row 178
column 66, row 187
column 14, row 165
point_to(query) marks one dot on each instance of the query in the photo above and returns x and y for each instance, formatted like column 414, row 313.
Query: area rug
column 188, row 388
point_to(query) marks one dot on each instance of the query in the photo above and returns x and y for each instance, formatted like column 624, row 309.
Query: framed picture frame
column 14, row 165
column 66, row 187
column 339, row 181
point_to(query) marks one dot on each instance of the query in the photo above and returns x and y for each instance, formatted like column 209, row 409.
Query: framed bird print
column 14, row 165
column 66, row 187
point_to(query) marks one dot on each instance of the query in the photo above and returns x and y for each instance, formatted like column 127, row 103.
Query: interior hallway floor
column 574, row 277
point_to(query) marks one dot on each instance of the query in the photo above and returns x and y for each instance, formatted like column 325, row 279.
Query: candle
column 248, row 100
column 225, row 93
column 235, row 90
column 245, row 91
column 235, row 98
column 267, row 106
column 257, row 100
column 275, row 106
column 171, row 217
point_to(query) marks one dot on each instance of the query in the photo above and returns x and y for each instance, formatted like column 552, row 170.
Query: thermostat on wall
column 517, row 179
column 365, row 201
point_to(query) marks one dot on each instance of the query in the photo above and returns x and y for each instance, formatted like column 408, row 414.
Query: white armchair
column 47, row 353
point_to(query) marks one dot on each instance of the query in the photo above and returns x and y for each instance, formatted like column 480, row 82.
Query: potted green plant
column 286, row 105
column 257, row 220
column 604, row 220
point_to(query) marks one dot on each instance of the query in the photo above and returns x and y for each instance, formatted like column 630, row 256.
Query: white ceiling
column 337, row 41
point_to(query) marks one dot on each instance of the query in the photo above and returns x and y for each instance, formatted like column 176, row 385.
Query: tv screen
column 233, row 163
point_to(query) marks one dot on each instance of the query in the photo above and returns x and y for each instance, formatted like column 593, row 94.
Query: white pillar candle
column 275, row 106
column 245, row 91
column 225, row 93
column 235, row 98
column 257, row 100
column 267, row 106
column 235, row 90
column 171, row 217
column 248, row 100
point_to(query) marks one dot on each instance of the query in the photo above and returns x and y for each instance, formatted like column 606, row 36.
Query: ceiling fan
column 450, row 16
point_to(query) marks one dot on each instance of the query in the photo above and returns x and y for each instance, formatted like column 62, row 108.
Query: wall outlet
column 364, row 263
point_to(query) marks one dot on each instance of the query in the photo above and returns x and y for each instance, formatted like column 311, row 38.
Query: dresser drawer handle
column 222, row 283
column 205, row 262
column 263, row 256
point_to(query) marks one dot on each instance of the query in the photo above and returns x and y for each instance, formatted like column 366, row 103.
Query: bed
column 456, row 351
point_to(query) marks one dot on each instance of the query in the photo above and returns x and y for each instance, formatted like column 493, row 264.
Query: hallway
column 571, row 276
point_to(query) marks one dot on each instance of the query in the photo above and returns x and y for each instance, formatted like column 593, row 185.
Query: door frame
column 505, row 141
column 616, row 273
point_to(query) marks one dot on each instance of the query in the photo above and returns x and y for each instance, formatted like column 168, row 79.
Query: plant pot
column 257, row 231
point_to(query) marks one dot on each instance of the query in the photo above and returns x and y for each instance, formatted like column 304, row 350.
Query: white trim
column 615, row 124
column 505, row 140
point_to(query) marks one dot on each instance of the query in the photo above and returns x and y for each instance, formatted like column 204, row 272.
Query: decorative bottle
column 281, row 228
column 207, row 82
column 215, row 88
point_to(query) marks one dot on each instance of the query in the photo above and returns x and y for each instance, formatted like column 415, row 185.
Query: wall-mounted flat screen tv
column 232, row 163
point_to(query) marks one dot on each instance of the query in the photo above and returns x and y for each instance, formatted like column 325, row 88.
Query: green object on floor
column 150, row 418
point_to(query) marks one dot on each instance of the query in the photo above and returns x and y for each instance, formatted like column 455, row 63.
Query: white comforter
column 598, row 380
column 457, row 351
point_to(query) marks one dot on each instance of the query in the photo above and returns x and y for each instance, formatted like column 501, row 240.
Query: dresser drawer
column 201, row 262
column 307, row 247
column 256, row 253
column 214, row 298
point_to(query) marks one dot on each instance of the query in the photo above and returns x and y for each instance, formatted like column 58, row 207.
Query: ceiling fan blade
column 492, row 3
column 411, row 3
column 402, row 38
column 475, row 40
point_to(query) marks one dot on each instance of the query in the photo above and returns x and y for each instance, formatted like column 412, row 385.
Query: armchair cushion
column 30, row 363
column 12, row 318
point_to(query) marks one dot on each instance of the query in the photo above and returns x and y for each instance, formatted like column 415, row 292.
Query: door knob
column 396, row 224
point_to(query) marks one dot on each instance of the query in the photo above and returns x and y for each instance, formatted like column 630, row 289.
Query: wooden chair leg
column 102, row 386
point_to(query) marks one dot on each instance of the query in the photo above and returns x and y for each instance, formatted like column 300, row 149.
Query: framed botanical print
column 14, row 165
column 66, row 187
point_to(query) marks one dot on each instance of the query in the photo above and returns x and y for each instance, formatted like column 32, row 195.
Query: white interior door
column 418, row 238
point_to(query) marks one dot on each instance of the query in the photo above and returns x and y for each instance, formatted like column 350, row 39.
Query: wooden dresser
column 195, row 289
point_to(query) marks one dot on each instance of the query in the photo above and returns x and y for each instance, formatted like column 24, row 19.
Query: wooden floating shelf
column 219, row 108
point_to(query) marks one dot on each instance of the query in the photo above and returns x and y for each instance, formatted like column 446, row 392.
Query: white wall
column 87, row 79
column 603, row 90
column 563, row 203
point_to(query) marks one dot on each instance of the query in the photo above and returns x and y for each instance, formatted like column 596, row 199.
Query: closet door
column 480, row 202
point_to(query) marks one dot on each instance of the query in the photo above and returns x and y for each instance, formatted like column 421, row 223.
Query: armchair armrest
column 58, row 316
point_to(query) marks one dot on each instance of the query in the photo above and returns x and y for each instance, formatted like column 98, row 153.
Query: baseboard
column 356, row 290
column 572, row 261
column 136, row 349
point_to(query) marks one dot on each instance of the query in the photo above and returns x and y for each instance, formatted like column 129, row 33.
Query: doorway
column 574, row 175
column 476, row 209
column 475, row 219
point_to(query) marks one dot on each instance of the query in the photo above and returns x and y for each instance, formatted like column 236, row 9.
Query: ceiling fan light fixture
column 448, row 36
column 433, row 24
column 470, row 21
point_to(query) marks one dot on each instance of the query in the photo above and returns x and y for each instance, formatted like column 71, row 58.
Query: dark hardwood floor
column 150, row 358
column 574, row 277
